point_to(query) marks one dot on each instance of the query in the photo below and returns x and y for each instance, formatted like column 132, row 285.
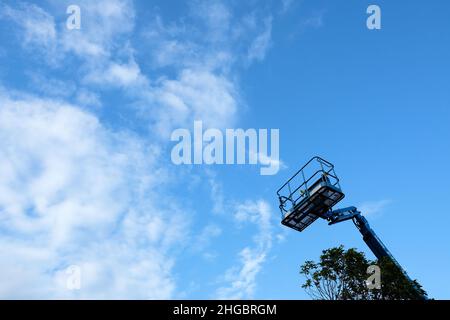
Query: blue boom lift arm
column 369, row 236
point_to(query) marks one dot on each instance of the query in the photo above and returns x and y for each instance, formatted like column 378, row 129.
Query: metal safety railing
column 297, row 188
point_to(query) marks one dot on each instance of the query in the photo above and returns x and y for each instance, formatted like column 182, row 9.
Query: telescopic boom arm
column 369, row 236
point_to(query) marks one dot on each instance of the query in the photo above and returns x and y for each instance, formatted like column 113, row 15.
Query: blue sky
column 86, row 177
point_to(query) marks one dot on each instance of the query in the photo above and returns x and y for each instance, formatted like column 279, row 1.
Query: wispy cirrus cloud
column 288, row 5
column 260, row 45
column 241, row 279
column 38, row 28
column 74, row 191
column 203, row 85
column 374, row 208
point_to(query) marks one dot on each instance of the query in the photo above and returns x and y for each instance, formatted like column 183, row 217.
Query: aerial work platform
column 309, row 194
column 312, row 192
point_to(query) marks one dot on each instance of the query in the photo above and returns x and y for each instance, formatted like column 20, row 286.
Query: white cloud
column 73, row 192
column 286, row 5
column 373, row 208
column 215, row 16
column 315, row 21
column 213, row 37
column 206, row 236
column 217, row 196
column 51, row 87
column 38, row 27
column 202, row 86
column 261, row 43
column 88, row 98
column 104, row 22
column 121, row 75
column 196, row 94
column 241, row 279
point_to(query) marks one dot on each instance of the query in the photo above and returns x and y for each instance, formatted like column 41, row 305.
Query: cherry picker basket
column 310, row 193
